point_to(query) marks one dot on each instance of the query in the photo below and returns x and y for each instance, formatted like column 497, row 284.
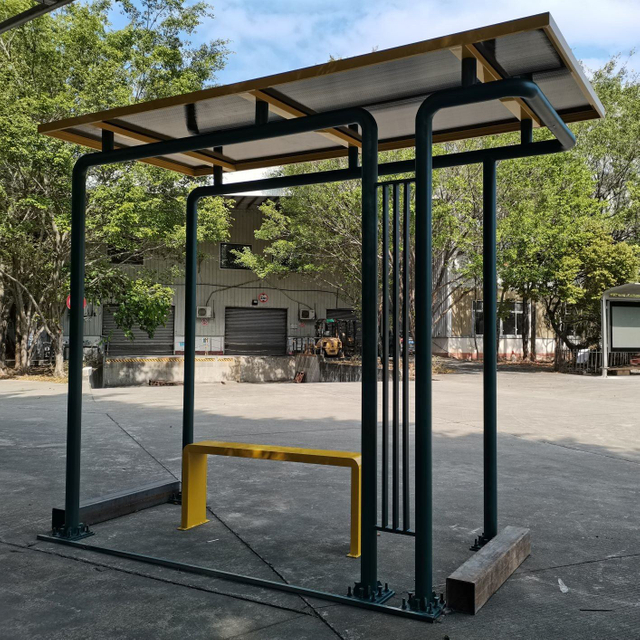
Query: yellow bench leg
column 356, row 521
column 194, row 489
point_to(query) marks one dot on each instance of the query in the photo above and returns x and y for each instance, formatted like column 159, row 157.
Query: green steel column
column 369, row 559
column 423, row 310
column 490, row 351
column 72, row 527
column 191, row 275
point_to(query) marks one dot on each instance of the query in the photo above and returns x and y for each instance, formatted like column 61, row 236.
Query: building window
column 478, row 318
column 512, row 322
column 510, row 325
column 228, row 259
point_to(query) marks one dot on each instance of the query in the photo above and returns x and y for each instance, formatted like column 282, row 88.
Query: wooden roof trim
column 288, row 108
column 92, row 143
column 539, row 21
column 143, row 137
column 488, row 73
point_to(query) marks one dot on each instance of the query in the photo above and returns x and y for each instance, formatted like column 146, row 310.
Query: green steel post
column 490, row 350
column 423, row 365
column 191, row 268
column 369, row 558
column 72, row 526
column 217, row 169
column 385, row 356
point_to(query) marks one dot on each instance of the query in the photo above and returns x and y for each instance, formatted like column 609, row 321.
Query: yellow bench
column 194, row 476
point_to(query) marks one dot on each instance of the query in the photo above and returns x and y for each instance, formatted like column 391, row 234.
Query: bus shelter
column 516, row 76
column 620, row 322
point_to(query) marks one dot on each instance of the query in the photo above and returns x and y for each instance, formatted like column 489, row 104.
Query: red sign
column 263, row 297
column 84, row 300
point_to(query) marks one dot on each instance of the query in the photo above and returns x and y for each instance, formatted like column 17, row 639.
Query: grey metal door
column 255, row 332
column 117, row 344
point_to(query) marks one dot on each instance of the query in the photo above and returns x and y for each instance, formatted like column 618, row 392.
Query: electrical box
column 307, row 314
column 204, row 312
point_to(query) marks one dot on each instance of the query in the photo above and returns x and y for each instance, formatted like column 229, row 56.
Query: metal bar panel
column 395, row 435
column 490, row 351
column 406, row 298
column 385, row 355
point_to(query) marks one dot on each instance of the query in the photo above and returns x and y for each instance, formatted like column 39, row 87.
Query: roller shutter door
column 117, row 344
column 255, row 332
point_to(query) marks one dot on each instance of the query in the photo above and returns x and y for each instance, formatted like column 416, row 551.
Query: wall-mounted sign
column 263, row 297
column 84, row 302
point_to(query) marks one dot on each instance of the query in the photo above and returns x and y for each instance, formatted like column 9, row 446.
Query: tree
column 316, row 231
column 61, row 65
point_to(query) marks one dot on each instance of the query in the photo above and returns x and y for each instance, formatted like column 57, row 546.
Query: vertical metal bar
column 369, row 558
column 191, row 274
column 469, row 71
column 262, row 112
column 423, row 311
column 406, row 287
column 395, row 435
column 72, row 527
column 108, row 140
column 490, row 350
column 385, row 355
column 353, row 150
column 217, row 169
column 526, row 131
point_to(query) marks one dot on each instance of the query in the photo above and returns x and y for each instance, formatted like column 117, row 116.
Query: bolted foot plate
column 379, row 595
column 432, row 607
column 77, row 533
column 480, row 541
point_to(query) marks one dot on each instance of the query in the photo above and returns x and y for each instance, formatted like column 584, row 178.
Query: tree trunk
column 525, row 328
column 57, row 344
column 534, row 332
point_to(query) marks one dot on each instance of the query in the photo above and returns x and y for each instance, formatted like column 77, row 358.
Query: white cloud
column 270, row 37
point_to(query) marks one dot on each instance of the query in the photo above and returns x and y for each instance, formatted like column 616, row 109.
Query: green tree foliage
column 65, row 64
column 568, row 223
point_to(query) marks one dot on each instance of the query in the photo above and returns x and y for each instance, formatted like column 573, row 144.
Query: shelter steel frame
column 368, row 592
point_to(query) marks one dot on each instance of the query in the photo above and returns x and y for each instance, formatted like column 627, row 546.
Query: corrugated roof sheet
column 391, row 84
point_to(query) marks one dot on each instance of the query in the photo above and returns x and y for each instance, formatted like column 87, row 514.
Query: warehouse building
column 238, row 313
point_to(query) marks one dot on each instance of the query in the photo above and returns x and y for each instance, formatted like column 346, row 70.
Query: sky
column 272, row 36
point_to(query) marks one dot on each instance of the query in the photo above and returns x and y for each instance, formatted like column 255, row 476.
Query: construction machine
column 336, row 338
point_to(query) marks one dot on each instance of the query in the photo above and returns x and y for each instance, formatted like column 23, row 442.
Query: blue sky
column 271, row 36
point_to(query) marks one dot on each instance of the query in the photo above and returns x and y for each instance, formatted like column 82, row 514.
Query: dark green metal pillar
column 490, row 351
column 191, row 275
column 423, row 310
column 72, row 526
column 369, row 558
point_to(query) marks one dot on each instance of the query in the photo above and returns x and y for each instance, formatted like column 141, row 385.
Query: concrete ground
column 569, row 470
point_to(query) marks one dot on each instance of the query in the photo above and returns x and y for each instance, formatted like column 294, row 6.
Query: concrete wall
column 126, row 372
